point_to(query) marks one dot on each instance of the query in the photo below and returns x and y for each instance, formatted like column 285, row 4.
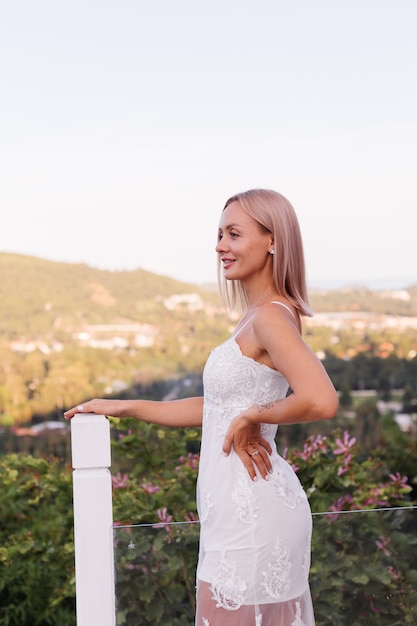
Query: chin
column 230, row 276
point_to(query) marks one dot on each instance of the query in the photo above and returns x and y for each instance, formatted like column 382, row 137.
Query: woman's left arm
column 313, row 395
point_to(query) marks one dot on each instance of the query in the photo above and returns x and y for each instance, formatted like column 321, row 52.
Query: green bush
column 36, row 538
column 364, row 567
column 363, row 563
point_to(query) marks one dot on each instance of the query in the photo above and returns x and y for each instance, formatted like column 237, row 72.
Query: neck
column 257, row 300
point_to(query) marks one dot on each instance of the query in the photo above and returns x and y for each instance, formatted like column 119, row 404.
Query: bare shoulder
column 277, row 314
column 277, row 332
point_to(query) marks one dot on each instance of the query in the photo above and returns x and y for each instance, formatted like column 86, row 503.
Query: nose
column 221, row 246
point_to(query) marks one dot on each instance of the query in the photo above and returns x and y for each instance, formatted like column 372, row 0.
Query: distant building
column 111, row 336
column 189, row 301
column 360, row 320
column 31, row 345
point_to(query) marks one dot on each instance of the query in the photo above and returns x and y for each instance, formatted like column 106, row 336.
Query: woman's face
column 243, row 247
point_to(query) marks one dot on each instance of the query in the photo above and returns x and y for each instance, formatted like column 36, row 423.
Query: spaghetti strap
column 284, row 305
column 236, row 332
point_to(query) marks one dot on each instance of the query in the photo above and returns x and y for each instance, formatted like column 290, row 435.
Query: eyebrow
column 230, row 226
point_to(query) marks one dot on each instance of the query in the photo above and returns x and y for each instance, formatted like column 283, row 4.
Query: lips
column 227, row 263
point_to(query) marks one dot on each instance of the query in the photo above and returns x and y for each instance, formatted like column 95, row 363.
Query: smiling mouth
column 227, row 263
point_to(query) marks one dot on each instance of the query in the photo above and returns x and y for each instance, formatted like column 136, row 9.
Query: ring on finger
column 254, row 453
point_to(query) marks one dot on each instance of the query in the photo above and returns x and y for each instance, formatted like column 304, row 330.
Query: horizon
column 125, row 127
column 374, row 284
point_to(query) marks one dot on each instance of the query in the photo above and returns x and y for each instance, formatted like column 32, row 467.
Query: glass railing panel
column 155, row 574
column 363, row 572
column 364, row 568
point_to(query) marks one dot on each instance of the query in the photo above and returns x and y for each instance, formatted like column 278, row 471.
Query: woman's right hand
column 99, row 407
column 253, row 450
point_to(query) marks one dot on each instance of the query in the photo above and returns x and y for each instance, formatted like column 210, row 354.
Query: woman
column 255, row 518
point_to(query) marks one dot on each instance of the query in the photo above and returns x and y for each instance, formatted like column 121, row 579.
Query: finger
column 261, row 461
column 227, row 445
column 265, row 443
column 264, row 462
column 70, row 413
column 77, row 409
column 265, row 454
column 267, row 467
column 248, row 463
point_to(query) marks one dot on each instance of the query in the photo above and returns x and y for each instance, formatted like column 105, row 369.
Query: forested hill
column 37, row 295
column 358, row 298
column 69, row 332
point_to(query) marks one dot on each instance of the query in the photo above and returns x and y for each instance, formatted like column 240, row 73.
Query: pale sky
column 126, row 124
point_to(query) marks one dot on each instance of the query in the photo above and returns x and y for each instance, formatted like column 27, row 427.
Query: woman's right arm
column 186, row 412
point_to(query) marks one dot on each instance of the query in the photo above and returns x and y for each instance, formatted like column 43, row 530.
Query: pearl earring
column 272, row 251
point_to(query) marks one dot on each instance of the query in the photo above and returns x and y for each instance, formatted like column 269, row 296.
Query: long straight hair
column 275, row 215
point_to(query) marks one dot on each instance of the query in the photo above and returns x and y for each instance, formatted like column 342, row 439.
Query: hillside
column 37, row 296
column 385, row 302
column 69, row 332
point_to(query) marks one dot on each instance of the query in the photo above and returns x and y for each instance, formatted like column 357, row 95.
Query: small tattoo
column 264, row 407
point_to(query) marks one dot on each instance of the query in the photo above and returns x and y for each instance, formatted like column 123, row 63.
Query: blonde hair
column 275, row 215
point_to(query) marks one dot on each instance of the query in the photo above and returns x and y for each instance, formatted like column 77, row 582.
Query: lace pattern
column 244, row 384
column 244, row 498
column 255, row 536
column 277, row 576
column 228, row 588
column 283, row 488
column 307, row 560
column 223, row 418
column 268, row 431
column 298, row 621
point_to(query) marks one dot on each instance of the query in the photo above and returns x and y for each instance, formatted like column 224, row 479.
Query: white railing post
column 93, row 521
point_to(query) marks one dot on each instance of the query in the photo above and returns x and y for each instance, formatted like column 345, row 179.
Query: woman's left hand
column 252, row 449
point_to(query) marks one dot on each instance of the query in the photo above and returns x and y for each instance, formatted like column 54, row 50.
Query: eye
column 234, row 235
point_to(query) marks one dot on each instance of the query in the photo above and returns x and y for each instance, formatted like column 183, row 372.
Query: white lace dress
column 255, row 535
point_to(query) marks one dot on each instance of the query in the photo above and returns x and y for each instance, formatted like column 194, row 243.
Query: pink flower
column 372, row 502
column 321, row 444
column 381, row 544
column 345, row 445
column 312, row 446
column 397, row 479
column 294, row 466
column 394, row 574
column 191, row 517
column 122, row 436
column 165, row 519
column 345, row 466
column 150, row 488
column 191, row 460
column 375, row 497
column 340, row 505
column 119, row 481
